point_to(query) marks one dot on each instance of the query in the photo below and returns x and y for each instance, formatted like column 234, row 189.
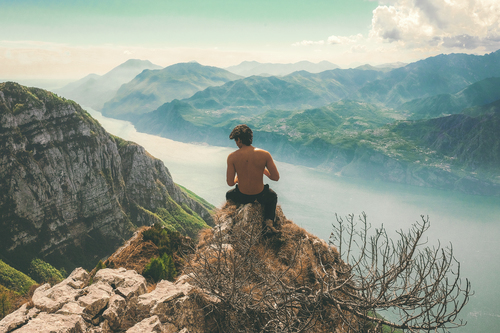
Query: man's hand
column 236, row 179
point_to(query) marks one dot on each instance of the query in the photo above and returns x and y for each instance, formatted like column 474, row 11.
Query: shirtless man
column 246, row 168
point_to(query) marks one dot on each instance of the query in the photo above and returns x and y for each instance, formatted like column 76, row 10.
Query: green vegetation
column 197, row 198
column 42, row 272
column 186, row 222
column 14, row 279
column 168, row 243
column 6, row 299
column 162, row 268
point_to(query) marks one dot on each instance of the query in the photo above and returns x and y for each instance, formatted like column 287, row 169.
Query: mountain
column 382, row 68
column 70, row 193
column 442, row 74
column 254, row 95
column 477, row 94
column 250, row 68
column 94, row 90
column 152, row 88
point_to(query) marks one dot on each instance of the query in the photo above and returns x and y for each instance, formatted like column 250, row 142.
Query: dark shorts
column 268, row 198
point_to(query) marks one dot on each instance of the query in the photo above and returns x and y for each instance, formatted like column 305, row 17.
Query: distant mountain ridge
column 94, row 90
column 477, row 94
column 250, row 68
column 152, row 88
column 442, row 74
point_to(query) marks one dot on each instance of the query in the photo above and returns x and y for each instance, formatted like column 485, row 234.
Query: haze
column 66, row 40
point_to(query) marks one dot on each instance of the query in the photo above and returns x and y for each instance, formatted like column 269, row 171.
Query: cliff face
column 69, row 191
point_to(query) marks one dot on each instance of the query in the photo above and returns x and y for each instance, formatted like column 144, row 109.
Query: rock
column 17, row 318
column 71, row 308
column 50, row 300
column 127, row 283
column 148, row 325
column 96, row 299
column 113, row 314
column 54, row 323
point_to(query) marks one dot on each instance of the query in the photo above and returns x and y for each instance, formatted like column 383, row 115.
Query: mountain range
column 342, row 120
column 152, row 88
column 251, row 68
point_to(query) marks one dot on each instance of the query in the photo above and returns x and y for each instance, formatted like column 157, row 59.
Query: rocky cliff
column 71, row 193
column 120, row 300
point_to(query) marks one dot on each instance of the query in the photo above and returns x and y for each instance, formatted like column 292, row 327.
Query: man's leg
column 269, row 199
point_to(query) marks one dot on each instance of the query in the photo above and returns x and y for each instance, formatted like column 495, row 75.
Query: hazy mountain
column 70, row 193
column 443, row 74
column 382, row 68
column 477, row 94
column 152, row 88
column 94, row 90
column 249, row 68
column 256, row 94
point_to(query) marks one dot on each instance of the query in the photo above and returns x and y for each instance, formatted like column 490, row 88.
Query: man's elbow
column 275, row 177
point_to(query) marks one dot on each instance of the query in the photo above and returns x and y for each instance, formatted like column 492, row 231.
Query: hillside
column 477, row 94
column 94, row 90
column 70, row 193
column 152, row 88
column 442, row 74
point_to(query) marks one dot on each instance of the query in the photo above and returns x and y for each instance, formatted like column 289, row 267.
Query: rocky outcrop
column 119, row 300
column 70, row 192
column 116, row 301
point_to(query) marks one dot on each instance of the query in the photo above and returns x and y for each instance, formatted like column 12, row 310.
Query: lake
column 311, row 199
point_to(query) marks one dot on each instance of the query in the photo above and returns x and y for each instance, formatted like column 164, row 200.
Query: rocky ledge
column 117, row 300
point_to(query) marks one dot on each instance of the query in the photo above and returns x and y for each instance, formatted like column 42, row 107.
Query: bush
column 41, row 272
column 160, row 269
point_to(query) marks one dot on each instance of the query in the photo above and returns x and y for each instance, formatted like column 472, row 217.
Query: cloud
column 448, row 24
column 308, row 43
column 343, row 39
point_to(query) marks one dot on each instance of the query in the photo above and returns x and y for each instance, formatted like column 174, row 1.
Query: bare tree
column 295, row 283
column 421, row 287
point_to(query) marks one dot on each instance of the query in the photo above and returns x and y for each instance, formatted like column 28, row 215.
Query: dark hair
column 244, row 133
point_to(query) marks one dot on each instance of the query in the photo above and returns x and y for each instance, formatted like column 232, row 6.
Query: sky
column 68, row 39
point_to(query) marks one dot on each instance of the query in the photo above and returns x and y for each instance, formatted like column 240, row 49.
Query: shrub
column 160, row 269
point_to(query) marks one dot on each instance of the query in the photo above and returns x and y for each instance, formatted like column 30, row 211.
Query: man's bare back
column 247, row 165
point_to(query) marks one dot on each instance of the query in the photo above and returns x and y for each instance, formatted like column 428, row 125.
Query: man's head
column 242, row 132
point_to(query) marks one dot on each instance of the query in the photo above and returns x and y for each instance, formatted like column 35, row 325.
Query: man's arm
column 231, row 177
column 271, row 170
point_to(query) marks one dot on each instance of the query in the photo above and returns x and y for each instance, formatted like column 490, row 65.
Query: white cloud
column 344, row 39
column 308, row 43
column 462, row 24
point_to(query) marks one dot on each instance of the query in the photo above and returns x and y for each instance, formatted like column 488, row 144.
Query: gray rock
column 54, row 323
column 127, row 283
column 17, row 318
column 96, row 299
column 113, row 314
column 148, row 325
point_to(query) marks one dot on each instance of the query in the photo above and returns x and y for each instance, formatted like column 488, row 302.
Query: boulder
column 126, row 283
column 17, row 318
column 96, row 299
